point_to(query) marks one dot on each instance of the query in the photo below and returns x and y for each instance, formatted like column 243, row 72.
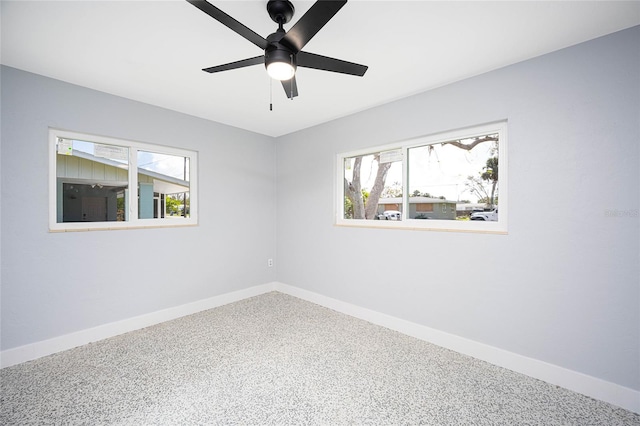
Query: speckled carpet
column 278, row 360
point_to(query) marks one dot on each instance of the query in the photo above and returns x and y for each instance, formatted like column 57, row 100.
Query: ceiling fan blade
column 290, row 87
column 230, row 22
column 237, row 64
column 319, row 62
column 310, row 23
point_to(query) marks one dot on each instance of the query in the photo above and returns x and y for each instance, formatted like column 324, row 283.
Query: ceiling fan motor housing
column 276, row 52
column 280, row 11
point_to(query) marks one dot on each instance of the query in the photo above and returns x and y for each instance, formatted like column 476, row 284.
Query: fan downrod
column 280, row 11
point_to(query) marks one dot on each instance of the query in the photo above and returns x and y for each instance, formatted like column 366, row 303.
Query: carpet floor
column 278, row 360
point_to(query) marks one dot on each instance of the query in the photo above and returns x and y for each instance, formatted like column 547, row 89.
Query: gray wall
column 57, row 283
column 563, row 285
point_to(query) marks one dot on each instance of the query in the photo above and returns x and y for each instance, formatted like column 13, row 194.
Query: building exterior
column 92, row 188
column 421, row 207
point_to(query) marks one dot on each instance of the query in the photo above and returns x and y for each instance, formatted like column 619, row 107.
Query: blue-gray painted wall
column 57, row 283
column 564, row 285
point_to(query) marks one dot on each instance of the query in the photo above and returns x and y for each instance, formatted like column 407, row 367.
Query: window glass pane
column 373, row 186
column 452, row 180
column 92, row 181
column 163, row 185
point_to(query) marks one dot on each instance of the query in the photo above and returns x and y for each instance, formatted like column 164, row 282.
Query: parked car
column 390, row 215
column 491, row 216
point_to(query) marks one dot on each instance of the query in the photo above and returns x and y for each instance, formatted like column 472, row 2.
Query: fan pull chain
column 291, row 57
column 270, row 94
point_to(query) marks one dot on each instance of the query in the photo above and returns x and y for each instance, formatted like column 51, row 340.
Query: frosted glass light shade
column 280, row 70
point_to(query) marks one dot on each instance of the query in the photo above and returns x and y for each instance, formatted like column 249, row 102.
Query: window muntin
column 436, row 182
column 91, row 182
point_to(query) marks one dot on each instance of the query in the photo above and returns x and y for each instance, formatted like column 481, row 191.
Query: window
column 450, row 181
column 92, row 185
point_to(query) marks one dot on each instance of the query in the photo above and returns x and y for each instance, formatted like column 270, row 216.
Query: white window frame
column 498, row 227
column 133, row 221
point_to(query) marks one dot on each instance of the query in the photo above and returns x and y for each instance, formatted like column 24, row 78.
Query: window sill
column 434, row 225
column 81, row 227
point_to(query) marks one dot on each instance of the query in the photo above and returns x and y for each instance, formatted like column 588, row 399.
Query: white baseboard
column 36, row 350
column 612, row 393
column 587, row 385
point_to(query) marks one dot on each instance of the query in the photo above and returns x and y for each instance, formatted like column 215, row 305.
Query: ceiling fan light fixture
column 280, row 70
column 280, row 63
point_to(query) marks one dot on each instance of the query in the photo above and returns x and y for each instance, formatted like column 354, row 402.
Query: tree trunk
column 493, row 192
column 371, row 207
column 353, row 190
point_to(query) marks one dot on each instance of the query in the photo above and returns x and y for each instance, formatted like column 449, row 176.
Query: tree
column 367, row 209
column 488, row 200
column 476, row 184
column 469, row 146
column 172, row 205
column 490, row 174
column 417, row 193
column 348, row 205
column 371, row 206
column 392, row 191
column 177, row 204
column 353, row 190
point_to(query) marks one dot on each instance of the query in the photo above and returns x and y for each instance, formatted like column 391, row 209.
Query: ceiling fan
column 283, row 50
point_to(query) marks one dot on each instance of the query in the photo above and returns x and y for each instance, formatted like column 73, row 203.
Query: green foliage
column 476, row 184
column 348, row 204
column 172, row 205
column 391, row 191
column 487, row 200
column 417, row 193
column 490, row 170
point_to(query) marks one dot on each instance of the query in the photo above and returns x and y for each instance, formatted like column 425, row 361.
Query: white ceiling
column 153, row 51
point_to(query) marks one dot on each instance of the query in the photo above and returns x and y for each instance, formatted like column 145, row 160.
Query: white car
column 491, row 216
column 390, row 215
